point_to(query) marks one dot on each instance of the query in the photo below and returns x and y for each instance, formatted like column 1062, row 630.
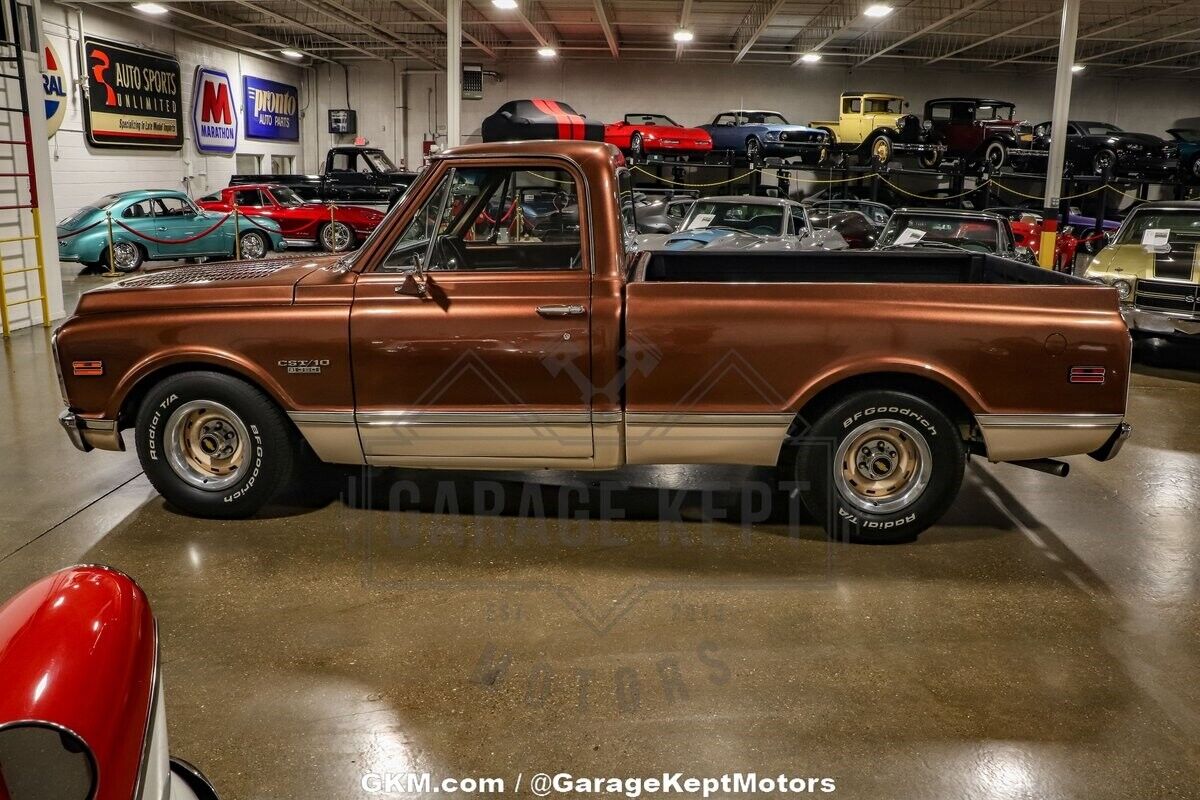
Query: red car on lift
column 641, row 134
column 303, row 224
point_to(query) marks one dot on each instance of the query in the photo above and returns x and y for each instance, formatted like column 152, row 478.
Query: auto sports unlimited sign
column 214, row 117
column 133, row 96
column 272, row 110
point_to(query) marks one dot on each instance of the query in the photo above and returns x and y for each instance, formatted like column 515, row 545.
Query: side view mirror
column 414, row 284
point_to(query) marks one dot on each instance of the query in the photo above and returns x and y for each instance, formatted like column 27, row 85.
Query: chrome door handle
column 561, row 311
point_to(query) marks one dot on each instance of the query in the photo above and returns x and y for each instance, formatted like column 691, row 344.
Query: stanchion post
column 237, row 235
column 112, row 259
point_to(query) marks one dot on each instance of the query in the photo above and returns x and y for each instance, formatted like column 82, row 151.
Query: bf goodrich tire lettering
column 214, row 445
column 880, row 466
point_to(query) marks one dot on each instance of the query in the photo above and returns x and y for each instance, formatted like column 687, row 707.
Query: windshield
column 762, row 118
column 650, row 119
column 757, row 218
column 286, row 197
column 1183, row 225
column 1098, row 128
column 980, row 235
column 882, row 105
column 379, row 160
column 985, row 113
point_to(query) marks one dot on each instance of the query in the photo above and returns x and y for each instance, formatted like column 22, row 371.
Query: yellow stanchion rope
column 934, row 197
column 1010, row 190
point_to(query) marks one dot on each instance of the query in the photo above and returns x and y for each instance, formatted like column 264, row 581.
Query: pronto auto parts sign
column 54, row 85
column 272, row 109
column 133, row 96
column 214, row 117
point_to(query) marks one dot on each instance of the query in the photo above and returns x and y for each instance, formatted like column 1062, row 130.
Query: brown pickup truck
column 500, row 318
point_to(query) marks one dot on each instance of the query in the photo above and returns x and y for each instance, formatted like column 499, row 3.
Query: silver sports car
column 745, row 223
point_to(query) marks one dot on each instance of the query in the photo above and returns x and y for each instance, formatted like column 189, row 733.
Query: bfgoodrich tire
column 213, row 445
column 880, row 466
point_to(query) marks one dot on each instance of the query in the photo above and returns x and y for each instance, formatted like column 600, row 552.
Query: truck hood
column 235, row 283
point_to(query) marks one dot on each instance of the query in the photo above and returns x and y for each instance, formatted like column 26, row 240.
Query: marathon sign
column 272, row 109
column 133, row 96
column 214, row 116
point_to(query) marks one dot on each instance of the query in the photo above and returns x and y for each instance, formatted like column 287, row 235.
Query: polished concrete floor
column 1043, row 642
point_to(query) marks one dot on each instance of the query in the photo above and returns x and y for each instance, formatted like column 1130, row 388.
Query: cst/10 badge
column 214, row 116
column 54, row 84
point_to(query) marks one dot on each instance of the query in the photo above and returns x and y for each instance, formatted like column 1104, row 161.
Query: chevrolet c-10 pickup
column 501, row 317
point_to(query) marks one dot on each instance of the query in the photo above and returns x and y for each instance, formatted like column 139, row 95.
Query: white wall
column 694, row 93
column 81, row 173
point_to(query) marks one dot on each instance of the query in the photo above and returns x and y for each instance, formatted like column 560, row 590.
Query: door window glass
column 172, row 207
column 137, row 210
column 495, row 218
column 852, row 105
column 248, row 197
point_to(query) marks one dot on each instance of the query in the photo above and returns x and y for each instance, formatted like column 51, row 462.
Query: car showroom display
column 539, row 118
column 1187, row 140
column 984, row 132
column 746, row 223
column 754, row 135
column 160, row 226
column 1027, row 227
column 350, row 174
column 303, row 224
column 1153, row 266
column 644, row 134
column 83, row 713
column 256, row 364
column 875, row 126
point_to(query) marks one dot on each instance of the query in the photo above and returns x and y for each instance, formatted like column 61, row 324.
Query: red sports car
column 639, row 134
column 303, row 224
column 1026, row 228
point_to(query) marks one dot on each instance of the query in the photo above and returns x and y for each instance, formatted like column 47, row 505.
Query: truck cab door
column 470, row 335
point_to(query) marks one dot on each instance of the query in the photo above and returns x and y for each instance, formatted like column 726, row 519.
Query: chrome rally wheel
column 206, row 445
column 336, row 236
column 253, row 245
column 882, row 466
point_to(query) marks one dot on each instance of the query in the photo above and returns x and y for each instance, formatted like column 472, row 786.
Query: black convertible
column 519, row 120
column 1097, row 147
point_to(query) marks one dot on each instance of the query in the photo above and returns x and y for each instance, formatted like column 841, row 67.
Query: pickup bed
column 350, row 174
column 474, row 330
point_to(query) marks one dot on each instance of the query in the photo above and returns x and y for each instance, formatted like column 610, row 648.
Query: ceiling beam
column 756, row 21
column 967, row 9
column 685, row 17
column 470, row 15
column 1146, row 43
column 1164, row 59
column 602, row 16
column 305, row 26
column 1127, row 18
column 373, row 29
column 833, row 20
column 530, row 14
column 995, row 36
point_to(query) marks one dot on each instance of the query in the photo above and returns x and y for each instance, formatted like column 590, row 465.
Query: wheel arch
column 948, row 392
column 137, row 383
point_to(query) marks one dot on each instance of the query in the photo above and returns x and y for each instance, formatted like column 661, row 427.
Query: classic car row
column 872, row 127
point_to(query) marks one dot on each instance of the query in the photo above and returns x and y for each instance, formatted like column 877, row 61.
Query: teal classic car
column 160, row 225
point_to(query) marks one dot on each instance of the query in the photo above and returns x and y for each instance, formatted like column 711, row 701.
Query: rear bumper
column 1160, row 322
column 91, row 434
column 1110, row 448
column 1021, row 437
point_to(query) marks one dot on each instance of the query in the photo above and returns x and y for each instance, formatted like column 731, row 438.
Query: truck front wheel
column 213, row 445
column 880, row 467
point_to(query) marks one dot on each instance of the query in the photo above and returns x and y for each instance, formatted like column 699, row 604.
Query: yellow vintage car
column 875, row 126
column 1154, row 265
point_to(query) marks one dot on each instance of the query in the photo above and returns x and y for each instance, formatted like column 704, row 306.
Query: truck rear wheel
column 880, row 467
column 213, row 445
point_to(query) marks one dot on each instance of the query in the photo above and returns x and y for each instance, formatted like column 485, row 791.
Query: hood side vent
column 206, row 274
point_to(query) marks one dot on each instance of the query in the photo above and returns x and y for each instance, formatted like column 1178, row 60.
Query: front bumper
column 1146, row 166
column 779, row 148
column 91, row 434
column 1160, row 322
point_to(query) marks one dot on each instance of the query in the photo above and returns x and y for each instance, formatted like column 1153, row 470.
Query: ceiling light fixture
column 293, row 54
column 1078, row 67
column 878, row 10
column 507, row 5
column 810, row 58
column 683, row 35
column 547, row 52
column 153, row 9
